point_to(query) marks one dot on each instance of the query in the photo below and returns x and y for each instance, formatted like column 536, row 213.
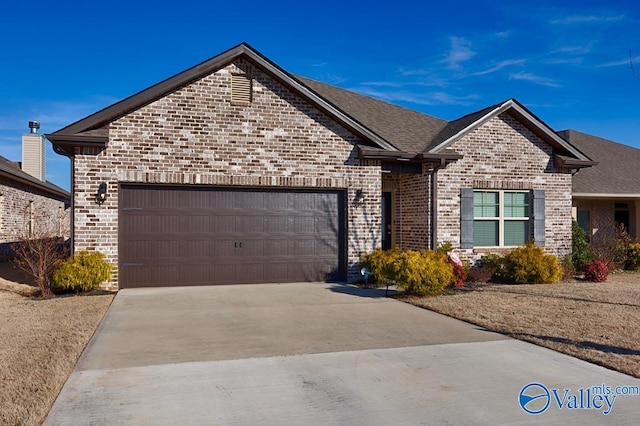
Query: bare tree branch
column 40, row 246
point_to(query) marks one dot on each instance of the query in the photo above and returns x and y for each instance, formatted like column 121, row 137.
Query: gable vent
column 241, row 88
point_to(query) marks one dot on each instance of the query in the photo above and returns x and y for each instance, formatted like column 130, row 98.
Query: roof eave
column 58, row 195
column 572, row 163
column 64, row 144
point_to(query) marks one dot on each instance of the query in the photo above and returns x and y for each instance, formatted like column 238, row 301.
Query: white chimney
column 33, row 152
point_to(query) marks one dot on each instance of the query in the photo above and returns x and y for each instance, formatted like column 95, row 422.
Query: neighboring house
column 609, row 193
column 24, row 198
column 236, row 171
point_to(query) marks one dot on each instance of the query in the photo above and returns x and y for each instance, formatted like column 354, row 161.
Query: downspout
column 71, row 158
column 434, row 204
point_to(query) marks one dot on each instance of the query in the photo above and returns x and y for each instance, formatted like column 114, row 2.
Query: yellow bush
column 423, row 273
column 381, row 264
column 633, row 257
column 85, row 271
column 417, row 272
column 530, row 264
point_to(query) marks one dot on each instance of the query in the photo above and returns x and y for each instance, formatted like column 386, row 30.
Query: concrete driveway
column 315, row 353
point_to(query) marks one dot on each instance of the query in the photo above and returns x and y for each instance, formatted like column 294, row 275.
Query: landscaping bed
column 597, row 322
column 41, row 342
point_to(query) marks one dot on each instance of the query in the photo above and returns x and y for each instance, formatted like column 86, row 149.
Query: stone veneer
column 504, row 154
column 198, row 136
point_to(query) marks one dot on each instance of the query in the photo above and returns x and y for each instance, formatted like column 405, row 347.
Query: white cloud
column 627, row 62
column 460, row 52
column 52, row 115
column 430, row 98
column 448, row 99
column 500, row 65
column 527, row 76
column 574, row 49
column 587, row 19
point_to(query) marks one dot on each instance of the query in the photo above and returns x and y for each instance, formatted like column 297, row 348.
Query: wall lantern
column 101, row 195
column 359, row 200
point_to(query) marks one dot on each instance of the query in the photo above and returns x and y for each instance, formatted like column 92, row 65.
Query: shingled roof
column 12, row 171
column 386, row 130
column 414, row 132
column 617, row 172
column 407, row 130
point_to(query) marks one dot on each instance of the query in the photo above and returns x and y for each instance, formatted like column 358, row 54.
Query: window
column 583, row 220
column 500, row 218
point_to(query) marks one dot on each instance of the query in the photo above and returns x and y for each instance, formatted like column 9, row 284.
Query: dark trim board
column 207, row 235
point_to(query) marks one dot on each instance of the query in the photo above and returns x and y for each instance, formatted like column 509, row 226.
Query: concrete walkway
column 315, row 354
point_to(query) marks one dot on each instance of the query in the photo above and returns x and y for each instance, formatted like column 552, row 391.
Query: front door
column 386, row 221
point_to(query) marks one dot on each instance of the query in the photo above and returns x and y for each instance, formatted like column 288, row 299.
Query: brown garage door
column 173, row 236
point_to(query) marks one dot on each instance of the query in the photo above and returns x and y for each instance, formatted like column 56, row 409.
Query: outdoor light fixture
column 101, row 195
column 359, row 200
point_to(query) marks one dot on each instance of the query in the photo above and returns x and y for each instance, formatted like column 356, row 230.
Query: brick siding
column 15, row 214
column 411, row 218
column 504, row 154
column 197, row 136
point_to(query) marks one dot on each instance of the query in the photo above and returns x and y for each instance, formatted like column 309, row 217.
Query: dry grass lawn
column 597, row 322
column 41, row 341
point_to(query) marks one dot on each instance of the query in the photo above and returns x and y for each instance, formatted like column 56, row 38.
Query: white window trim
column 501, row 218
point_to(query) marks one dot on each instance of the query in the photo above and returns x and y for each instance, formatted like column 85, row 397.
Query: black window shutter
column 538, row 217
column 466, row 218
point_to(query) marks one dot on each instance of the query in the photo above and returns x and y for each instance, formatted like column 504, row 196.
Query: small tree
column 581, row 253
column 40, row 246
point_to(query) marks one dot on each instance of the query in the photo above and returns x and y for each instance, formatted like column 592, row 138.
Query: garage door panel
column 304, row 225
column 325, row 248
column 275, row 224
column 187, row 236
column 250, row 224
column 222, row 248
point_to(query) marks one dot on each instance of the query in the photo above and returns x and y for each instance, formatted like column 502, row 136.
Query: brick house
column 609, row 193
column 236, row 171
column 25, row 196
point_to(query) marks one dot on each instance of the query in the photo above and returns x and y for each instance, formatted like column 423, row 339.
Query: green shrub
column 530, row 264
column 445, row 247
column 423, row 273
column 633, row 257
column 85, row 271
column 581, row 253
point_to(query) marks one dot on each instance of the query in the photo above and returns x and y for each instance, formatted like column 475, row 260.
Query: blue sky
column 566, row 61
